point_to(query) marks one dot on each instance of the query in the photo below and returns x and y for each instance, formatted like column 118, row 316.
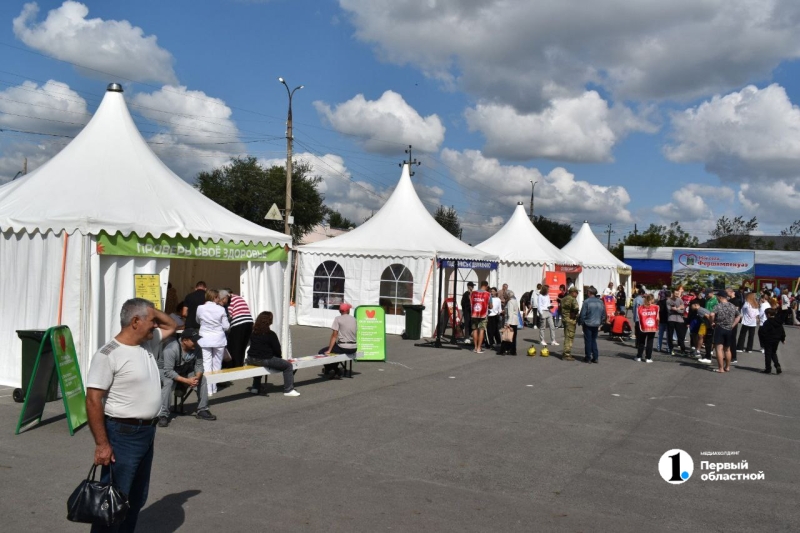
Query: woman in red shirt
column 648, row 323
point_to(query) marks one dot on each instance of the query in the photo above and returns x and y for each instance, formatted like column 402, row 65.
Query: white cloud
column 525, row 53
column 745, row 135
column 498, row 188
column 385, row 123
column 110, row 46
column 581, row 129
column 49, row 108
column 776, row 205
column 198, row 132
column 695, row 202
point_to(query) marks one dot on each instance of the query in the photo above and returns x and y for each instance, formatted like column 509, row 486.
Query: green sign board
column 56, row 354
column 371, row 332
column 185, row 248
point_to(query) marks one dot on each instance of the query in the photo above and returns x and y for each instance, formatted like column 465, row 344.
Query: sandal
column 718, row 370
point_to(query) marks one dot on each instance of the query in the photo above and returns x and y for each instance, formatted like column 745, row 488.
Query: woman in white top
column 214, row 323
column 495, row 314
column 546, row 315
column 750, row 312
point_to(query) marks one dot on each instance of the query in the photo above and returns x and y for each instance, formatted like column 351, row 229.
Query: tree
column 793, row 230
column 336, row 220
column 655, row 236
column 447, row 217
column 248, row 189
column 733, row 233
column 557, row 233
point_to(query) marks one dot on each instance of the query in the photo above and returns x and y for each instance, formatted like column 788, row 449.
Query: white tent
column 525, row 254
column 104, row 209
column 599, row 265
column 389, row 260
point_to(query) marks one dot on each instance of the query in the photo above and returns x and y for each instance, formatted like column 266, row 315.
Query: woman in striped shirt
column 241, row 325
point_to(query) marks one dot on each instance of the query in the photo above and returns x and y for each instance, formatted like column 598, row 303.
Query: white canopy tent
column 106, row 208
column 389, row 260
column 525, row 254
column 599, row 265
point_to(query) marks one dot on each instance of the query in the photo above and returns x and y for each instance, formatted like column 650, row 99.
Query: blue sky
column 625, row 111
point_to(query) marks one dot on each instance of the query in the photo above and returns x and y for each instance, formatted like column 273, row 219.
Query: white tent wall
column 263, row 286
column 31, row 278
column 521, row 278
column 362, row 287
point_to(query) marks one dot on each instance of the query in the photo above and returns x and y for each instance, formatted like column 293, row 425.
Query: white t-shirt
column 543, row 303
column 749, row 315
column 131, row 377
column 762, row 311
column 497, row 306
column 608, row 292
column 346, row 326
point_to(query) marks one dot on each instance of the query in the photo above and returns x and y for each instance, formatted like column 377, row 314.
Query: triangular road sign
column 274, row 213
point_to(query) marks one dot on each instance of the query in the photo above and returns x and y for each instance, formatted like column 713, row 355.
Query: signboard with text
column 712, row 268
column 371, row 332
column 148, row 287
column 56, row 354
column 187, row 248
column 554, row 280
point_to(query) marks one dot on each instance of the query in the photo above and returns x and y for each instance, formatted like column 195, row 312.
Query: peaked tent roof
column 518, row 241
column 402, row 227
column 589, row 251
column 108, row 179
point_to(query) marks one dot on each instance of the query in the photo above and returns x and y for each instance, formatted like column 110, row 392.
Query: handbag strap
column 93, row 470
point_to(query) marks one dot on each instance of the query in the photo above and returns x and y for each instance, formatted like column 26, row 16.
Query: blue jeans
column 590, row 342
column 662, row 330
column 133, row 452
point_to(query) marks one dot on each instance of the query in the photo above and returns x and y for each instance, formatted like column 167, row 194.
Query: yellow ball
column 545, row 352
column 532, row 351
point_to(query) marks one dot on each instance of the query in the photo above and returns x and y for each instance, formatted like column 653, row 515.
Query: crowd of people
column 719, row 324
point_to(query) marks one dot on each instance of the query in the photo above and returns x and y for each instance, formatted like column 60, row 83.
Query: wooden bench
column 251, row 371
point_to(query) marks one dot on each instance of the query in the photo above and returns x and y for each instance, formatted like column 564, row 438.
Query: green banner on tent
column 56, row 354
column 185, row 248
column 371, row 332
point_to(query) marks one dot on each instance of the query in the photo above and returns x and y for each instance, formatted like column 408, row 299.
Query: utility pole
column 411, row 161
column 25, row 167
column 609, row 231
column 286, row 225
column 533, row 189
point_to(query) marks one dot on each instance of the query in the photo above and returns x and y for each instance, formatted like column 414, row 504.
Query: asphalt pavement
column 450, row 440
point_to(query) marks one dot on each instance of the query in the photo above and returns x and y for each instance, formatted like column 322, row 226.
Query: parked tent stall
column 390, row 260
column 75, row 231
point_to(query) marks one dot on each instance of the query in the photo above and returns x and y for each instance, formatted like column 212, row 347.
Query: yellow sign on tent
column 148, row 286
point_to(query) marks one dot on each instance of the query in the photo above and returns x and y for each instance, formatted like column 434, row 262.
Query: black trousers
column 510, row 347
column 238, row 337
column 467, row 314
column 771, row 355
column 493, row 330
column 679, row 328
column 749, row 332
column 708, row 341
column 734, row 332
column 334, row 367
column 645, row 342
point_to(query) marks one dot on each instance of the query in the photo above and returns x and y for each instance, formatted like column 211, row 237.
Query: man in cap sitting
column 181, row 361
column 343, row 338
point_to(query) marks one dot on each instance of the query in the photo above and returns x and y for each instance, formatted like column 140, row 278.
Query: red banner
column 611, row 306
column 554, row 280
column 569, row 269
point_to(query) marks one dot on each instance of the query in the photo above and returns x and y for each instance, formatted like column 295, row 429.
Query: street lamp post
column 533, row 188
column 286, row 227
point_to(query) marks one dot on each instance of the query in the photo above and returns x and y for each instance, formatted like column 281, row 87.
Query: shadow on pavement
column 166, row 514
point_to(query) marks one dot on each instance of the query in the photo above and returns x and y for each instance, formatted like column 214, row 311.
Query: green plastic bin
column 31, row 342
column 413, row 321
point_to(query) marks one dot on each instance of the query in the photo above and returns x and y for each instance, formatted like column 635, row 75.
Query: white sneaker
column 554, row 343
column 648, row 360
column 704, row 361
column 544, row 343
column 638, row 359
column 292, row 392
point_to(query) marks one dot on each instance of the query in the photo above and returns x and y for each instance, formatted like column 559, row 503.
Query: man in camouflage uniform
column 569, row 314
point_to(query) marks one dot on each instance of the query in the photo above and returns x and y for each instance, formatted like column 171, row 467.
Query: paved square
column 450, row 440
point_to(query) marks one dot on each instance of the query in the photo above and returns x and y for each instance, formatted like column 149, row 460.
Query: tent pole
column 427, row 282
column 63, row 273
column 439, row 310
column 456, row 303
column 294, row 277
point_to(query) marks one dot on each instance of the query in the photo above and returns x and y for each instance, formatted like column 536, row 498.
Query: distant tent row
column 393, row 260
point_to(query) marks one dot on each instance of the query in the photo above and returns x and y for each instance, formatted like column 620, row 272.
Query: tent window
column 397, row 288
column 328, row 285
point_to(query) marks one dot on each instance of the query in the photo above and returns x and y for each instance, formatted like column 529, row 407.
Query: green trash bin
column 31, row 342
column 413, row 321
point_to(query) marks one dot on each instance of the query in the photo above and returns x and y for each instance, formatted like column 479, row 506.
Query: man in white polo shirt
column 123, row 397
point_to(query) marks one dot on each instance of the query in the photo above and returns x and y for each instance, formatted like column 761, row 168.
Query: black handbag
column 94, row 502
